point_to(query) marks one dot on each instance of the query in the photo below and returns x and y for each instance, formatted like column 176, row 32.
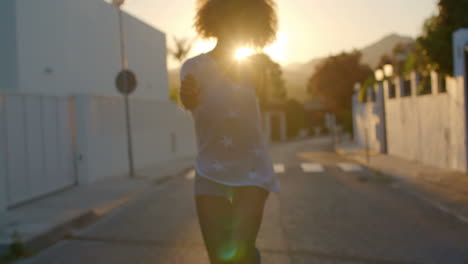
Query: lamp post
column 125, row 83
column 380, row 76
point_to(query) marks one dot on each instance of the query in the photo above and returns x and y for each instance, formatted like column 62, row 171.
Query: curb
column 66, row 229
column 408, row 188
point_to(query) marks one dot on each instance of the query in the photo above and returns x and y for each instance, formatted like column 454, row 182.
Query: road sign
column 126, row 82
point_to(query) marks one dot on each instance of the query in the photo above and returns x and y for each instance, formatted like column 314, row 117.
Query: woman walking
column 234, row 172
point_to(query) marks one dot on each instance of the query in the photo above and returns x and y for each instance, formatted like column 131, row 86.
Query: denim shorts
column 204, row 186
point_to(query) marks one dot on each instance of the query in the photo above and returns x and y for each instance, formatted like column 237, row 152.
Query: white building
column 61, row 118
column 63, row 47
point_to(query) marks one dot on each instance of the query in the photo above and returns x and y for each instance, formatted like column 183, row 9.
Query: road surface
column 329, row 210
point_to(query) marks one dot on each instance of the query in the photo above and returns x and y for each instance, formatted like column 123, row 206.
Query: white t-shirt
column 228, row 124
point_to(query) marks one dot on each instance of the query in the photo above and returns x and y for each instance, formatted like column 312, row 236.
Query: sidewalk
column 445, row 189
column 40, row 223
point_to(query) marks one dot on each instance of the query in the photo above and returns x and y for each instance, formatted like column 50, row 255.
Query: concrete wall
column 161, row 132
column 368, row 121
column 429, row 128
column 8, row 65
column 36, row 148
column 51, row 142
column 69, row 50
column 69, row 46
column 426, row 128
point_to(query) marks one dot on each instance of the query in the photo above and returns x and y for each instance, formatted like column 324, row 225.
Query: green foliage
column 370, row 82
column 436, row 40
column 424, row 86
column 334, row 80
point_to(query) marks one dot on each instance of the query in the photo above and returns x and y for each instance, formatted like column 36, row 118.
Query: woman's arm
column 189, row 92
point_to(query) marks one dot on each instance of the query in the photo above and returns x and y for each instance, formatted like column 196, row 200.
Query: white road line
column 312, row 167
column 279, row 168
column 349, row 167
column 190, row 175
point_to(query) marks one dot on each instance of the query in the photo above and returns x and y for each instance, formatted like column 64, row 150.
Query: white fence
column 48, row 143
column 429, row 128
column 36, row 146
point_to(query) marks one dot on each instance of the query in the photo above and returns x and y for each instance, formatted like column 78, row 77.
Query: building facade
column 62, row 121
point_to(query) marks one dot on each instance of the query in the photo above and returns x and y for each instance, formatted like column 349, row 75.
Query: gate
column 37, row 140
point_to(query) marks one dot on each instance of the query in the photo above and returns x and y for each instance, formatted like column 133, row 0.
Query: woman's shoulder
column 192, row 65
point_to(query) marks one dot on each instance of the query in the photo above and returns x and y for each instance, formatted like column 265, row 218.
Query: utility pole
column 126, row 83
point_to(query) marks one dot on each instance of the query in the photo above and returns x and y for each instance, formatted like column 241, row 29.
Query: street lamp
column 388, row 70
column 125, row 76
column 379, row 75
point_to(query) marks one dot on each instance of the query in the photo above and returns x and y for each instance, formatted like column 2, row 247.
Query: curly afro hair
column 252, row 22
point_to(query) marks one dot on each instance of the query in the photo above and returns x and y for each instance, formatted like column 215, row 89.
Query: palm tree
column 182, row 47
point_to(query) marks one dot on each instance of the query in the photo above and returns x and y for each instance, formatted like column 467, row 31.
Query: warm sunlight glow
column 243, row 53
column 277, row 50
column 203, row 46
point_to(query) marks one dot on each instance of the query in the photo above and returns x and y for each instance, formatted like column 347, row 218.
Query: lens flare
column 242, row 53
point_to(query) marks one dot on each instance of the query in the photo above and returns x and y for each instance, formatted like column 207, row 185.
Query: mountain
column 296, row 75
column 372, row 53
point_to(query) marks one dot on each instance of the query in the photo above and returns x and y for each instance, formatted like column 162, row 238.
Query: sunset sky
column 308, row 28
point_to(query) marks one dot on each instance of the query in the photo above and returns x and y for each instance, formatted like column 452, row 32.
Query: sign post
column 126, row 83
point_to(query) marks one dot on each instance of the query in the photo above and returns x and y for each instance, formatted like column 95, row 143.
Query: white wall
column 36, row 148
column 78, row 43
column 8, row 65
column 102, row 141
column 68, row 51
column 425, row 128
column 369, row 116
column 429, row 128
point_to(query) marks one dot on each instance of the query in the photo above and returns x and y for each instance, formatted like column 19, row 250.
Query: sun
column 243, row 52
column 277, row 50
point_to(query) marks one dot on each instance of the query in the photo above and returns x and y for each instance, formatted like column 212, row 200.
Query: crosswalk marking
column 279, row 168
column 349, row 167
column 308, row 167
column 312, row 167
column 190, row 175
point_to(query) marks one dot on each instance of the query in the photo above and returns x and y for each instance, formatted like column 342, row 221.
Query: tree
column 436, row 40
column 183, row 46
column 335, row 77
column 273, row 75
column 334, row 81
column 405, row 57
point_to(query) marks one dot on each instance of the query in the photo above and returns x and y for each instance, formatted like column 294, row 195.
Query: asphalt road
column 330, row 211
